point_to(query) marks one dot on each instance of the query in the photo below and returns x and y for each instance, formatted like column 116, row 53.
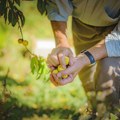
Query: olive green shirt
column 91, row 12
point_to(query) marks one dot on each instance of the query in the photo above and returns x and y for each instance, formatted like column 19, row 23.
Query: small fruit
column 67, row 60
column 25, row 42
column 20, row 40
column 60, row 68
column 55, row 71
column 64, row 76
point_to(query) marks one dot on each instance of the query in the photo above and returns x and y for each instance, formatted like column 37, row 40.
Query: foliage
column 9, row 10
column 39, row 67
column 31, row 97
column 41, row 6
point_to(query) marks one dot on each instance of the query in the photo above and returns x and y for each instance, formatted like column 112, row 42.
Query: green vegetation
column 22, row 97
column 32, row 99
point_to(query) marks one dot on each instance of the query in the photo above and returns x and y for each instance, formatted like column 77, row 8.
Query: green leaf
column 34, row 64
column 41, row 6
column 20, row 15
column 12, row 17
column 2, row 7
column 5, row 14
column 39, row 68
column 40, row 73
column 9, row 16
column 22, row 18
column 113, row 117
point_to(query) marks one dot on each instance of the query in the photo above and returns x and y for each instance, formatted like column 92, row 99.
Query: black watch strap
column 90, row 56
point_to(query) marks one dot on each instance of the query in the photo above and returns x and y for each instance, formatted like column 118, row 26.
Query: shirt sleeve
column 59, row 10
column 112, row 42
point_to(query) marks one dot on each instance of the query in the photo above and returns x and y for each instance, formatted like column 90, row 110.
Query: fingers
column 53, row 81
column 58, row 56
column 71, row 60
column 68, row 71
column 61, row 58
column 69, row 79
column 57, row 80
column 68, row 52
column 52, row 60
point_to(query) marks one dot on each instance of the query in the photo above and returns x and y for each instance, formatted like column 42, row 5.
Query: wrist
column 63, row 45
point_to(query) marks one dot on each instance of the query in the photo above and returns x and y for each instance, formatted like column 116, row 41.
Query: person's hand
column 57, row 57
column 78, row 64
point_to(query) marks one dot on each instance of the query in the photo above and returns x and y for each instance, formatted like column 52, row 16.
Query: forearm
column 59, row 30
column 98, row 51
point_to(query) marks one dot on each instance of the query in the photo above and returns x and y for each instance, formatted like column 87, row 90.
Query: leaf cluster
column 39, row 67
column 9, row 10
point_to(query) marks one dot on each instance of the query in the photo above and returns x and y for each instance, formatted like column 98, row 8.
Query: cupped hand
column 78, row 64
column 57, row 57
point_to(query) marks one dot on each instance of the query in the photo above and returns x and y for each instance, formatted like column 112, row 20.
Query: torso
column 97, row 12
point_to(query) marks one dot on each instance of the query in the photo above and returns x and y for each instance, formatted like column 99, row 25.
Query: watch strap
column 90, row 56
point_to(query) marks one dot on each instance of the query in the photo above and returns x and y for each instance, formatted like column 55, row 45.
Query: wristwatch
column 90, row 56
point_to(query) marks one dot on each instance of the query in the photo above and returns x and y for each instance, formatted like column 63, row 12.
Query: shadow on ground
column 10, row 111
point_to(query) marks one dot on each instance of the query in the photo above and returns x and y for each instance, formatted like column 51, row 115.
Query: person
column 96, row 36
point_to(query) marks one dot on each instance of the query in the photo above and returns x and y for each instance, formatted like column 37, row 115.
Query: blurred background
column 32, row 99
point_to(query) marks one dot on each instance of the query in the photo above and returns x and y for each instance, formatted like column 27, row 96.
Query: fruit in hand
column 64, row 76
column 60, row 68
column 67, row 60
column 55, row 71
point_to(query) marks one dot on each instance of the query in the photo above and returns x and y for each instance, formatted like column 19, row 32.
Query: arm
column 98, row 51
column 58, row 12
column 62, row 46
column 59, row 30
column 109, row 47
